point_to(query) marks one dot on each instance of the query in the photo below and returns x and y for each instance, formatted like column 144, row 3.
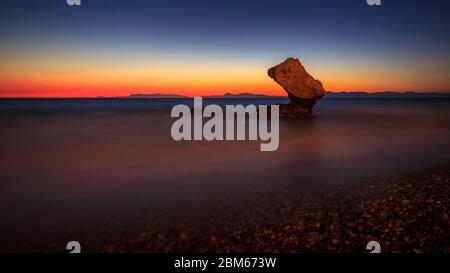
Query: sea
column 78, row 167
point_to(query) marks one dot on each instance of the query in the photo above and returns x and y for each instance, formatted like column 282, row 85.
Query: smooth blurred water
column 69, row 164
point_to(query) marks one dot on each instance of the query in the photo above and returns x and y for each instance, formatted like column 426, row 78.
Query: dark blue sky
column 326, row 35
column 394, row 24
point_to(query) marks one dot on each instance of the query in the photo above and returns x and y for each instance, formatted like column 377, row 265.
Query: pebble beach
column 404, row 214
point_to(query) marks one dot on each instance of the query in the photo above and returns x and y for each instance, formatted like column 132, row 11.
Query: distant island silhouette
column 176, row 96
column 328, row 95
column 385, row 95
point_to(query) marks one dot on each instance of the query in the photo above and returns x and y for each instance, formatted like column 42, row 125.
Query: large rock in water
column 302, row 88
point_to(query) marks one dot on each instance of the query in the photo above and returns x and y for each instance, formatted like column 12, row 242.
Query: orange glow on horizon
column 56, row 75
column 55, row 89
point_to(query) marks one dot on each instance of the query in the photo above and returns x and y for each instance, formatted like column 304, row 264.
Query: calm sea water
column 69, row 164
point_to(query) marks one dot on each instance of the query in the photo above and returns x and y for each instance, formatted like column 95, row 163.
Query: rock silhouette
column 303, row 90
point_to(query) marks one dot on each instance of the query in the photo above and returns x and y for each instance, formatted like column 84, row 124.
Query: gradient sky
column 193, row 47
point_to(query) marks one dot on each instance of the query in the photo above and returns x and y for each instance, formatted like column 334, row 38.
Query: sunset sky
column 120, row 47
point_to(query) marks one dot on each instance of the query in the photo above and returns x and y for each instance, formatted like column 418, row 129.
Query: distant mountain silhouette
column 384, row 95
column 154, row 96
column 176, row 96
column 328, row 95
column 243, row 96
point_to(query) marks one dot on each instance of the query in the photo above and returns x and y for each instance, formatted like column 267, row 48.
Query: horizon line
column 230, row 94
